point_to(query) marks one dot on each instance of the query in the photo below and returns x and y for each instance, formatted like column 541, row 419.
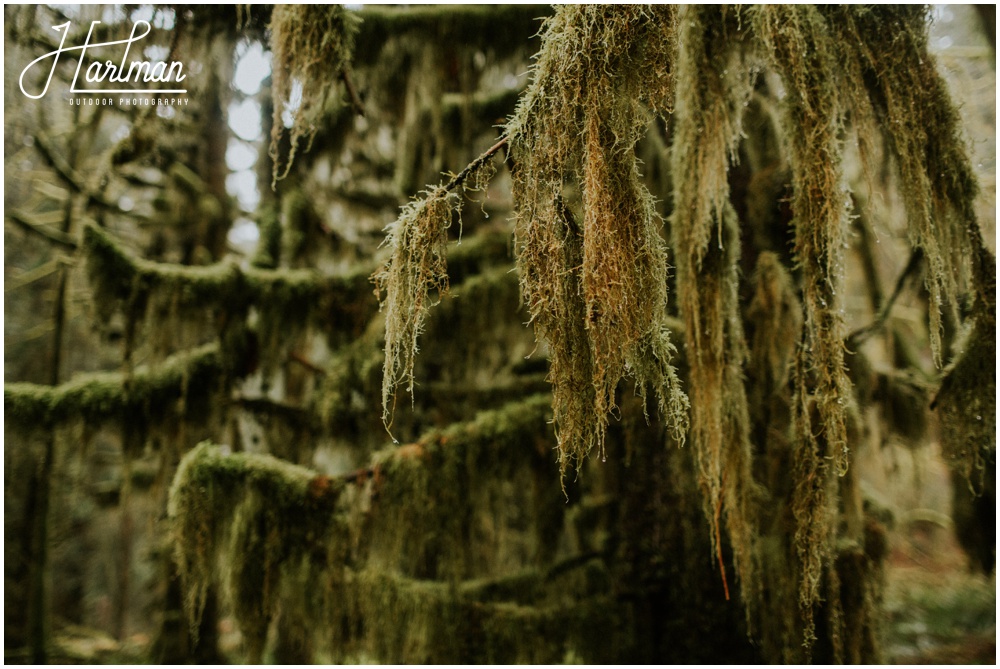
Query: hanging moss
column 451, row 483
column 309, row 42
column 427, row 622
column 966, row 404
column 775, row 315
column 896, row 84
column 414, row 277
column 713, row 90
column 798, row 44
column 252, row 523
column 596, row 291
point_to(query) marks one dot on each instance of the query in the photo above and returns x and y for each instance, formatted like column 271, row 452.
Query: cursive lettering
column 97, row 72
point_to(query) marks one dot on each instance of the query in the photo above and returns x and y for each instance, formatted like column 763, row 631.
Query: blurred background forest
column 160, row 294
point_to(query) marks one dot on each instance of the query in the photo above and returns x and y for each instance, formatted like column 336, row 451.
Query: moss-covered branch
column 274, row 522
column 286, row 301
column 502, row 28
column 104, row 396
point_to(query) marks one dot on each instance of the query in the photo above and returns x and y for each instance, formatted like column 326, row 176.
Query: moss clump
column 309, row 42
column 413, row 280
column 596, row 290
column 451, row 482
column 268, row 254
column 799, row 46
column 415, row 276
column 896, row 89
column 256, row 525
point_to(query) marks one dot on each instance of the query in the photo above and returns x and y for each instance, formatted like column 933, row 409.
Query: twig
column 54, row 236
column 68, row 174
column 861, row 335
column 352, row 93
column 36, row 274
column 460, row 178
column 294, row 356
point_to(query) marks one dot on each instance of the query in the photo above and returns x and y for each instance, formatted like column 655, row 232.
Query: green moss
column 312, row 45
column 451, row 482
column 222, row 296
column 268, row 254
column 896, row 89
column 145, row 396
column 714, row 86
column 595, row 289
column 268, row 520
column 499, row 28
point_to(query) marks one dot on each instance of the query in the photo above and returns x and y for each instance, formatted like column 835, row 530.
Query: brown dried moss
column 714, row 87
column 596, row 291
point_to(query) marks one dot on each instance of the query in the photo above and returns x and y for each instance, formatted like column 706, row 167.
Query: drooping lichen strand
column 714, row 85
column 813, row 499
column 312, row 46
column 798, row 44
column 894, row 81
column 596, row 290
column 267, row 520
column 966, row 401
column 413, row 279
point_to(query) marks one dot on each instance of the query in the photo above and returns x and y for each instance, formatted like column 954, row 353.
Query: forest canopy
column 493, row 333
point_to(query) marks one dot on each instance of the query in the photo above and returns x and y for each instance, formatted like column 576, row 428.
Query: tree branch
column 54, row 236
column 460, row 178
column 352, row 93
column 861, row 335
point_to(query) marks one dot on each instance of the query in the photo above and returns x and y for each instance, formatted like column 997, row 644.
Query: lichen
column 596, row 290
column 309, row 42
column 415, row 276
column 798, row 44
column 715, row 83
column 896, row 84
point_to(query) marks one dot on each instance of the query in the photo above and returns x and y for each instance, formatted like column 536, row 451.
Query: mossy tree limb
column 286, row 300
column 136, row 400
column 267, row 520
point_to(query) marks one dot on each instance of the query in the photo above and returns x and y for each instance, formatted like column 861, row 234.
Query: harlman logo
column 136, row 77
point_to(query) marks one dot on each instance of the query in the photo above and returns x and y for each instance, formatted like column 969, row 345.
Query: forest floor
column 938, row 610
